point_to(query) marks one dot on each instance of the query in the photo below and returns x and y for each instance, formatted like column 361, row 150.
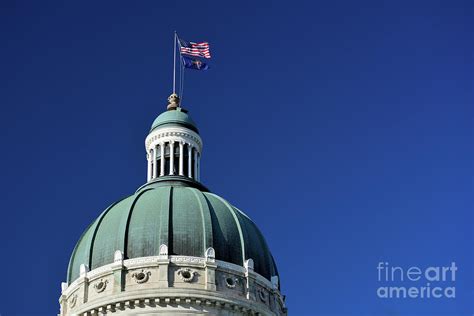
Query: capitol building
column 172, row 247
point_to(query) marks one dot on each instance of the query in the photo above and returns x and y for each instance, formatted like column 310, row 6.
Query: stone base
column 174, row 285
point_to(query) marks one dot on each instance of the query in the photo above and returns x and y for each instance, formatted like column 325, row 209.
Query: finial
column 173, row 102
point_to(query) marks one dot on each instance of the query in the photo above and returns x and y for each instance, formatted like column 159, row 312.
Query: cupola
column 173, row 146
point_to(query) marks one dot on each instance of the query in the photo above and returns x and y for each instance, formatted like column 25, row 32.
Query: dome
column 178, row 116
column 172, row 247
column 180, row 214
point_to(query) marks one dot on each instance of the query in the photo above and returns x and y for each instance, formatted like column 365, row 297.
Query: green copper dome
column 179, row 213
column 177, row 116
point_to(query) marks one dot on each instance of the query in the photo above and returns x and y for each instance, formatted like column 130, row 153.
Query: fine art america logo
column 416, row 282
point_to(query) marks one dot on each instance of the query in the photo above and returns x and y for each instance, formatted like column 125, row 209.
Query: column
column 148, row 173
column 195, row 164
column 171, row 158
column 198, row 170
column 155, row 166
column 162, row 166
column 190, row 160
column 181, row 159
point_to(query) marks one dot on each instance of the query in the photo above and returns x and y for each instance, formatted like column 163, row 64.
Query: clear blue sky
column 343, row 128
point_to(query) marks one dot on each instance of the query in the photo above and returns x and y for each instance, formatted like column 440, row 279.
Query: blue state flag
column 196, row 64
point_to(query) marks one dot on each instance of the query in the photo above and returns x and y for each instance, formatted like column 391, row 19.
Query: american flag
column 194, row 49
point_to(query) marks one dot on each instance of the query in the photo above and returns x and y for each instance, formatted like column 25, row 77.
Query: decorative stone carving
column 173, row 102
column 187, row 259
column 262, row 295
column 140, row 261
column 72, row 300
column 210, row 254
column 242, row 280
column 248, row 264
column 231, row 282
column 275, row 281
column 166, row 134
column 186, row 274
column 101, row 285
column 83, row 269
column 163, row 250
column 142, row 276
column 118, row 256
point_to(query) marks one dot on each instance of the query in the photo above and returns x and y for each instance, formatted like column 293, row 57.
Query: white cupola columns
column 181, row 158
column 190, row 161
column 173, row 150
column 172, row 158
column 153, row 150
column 149, row 160
column 162, row 161
column 196, row 165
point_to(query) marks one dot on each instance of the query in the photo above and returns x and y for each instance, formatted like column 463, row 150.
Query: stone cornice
column 140, row 301
column 175, row 134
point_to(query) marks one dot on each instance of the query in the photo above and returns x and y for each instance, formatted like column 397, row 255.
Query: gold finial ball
column 173, row 102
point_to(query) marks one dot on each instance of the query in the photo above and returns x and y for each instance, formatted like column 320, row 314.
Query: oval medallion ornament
column 73, row 301
column 100, row 286
column 186, row 274
column 142, row 276
column 231, row 282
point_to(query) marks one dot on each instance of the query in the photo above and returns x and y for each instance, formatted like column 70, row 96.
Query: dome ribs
column 170, row 228
column 147, row 227
column 237, row 222
column 74, row 262
column 105, row 235
column 122, row 231
column 187, row 233
column 165, row 232
column 177, row 214
column 87, row 241
column 256, row 246
column 206, row 219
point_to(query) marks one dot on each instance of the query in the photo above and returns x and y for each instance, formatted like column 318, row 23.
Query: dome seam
column 89, row 247
column 206, row 225
column 169, row 228
column 99, row 221
column 237, row 222
column 74, row 252
column 127, row 223
column 262, row 241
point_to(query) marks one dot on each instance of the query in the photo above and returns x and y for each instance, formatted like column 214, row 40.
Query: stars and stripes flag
column 194, row 49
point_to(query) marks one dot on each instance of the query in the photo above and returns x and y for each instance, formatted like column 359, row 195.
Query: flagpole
column 174, row 63
column 181, row 78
